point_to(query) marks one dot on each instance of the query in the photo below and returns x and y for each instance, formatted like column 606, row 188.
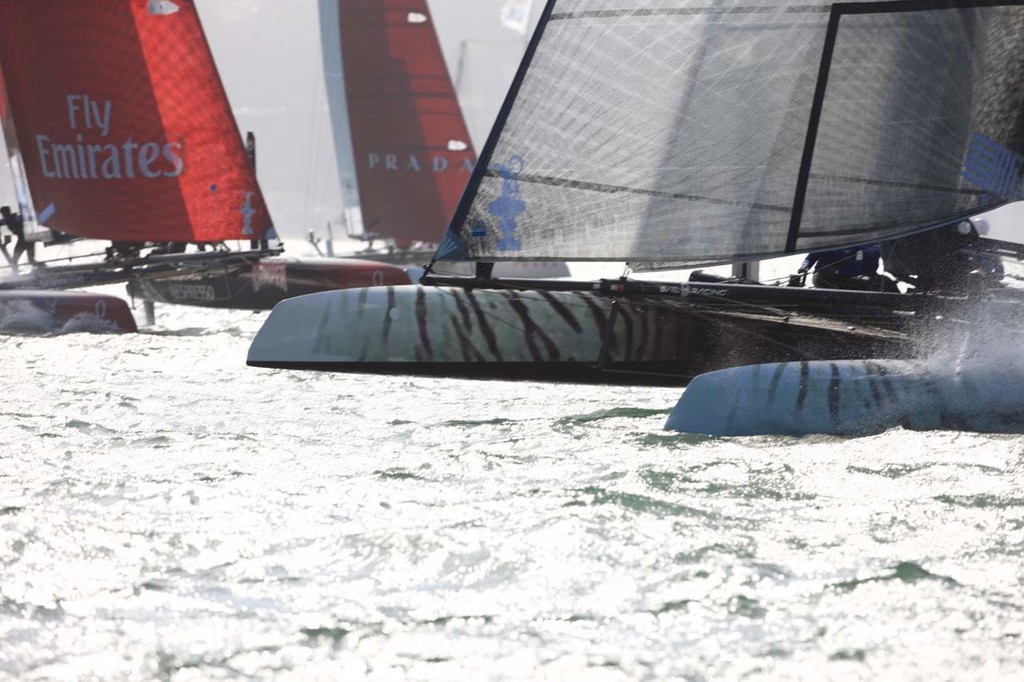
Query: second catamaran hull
column 60, row 312
column 541, row 335
column 262, row 284
column 855, row 398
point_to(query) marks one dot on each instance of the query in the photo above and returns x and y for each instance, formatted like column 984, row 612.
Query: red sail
column 413, row 155
column 124, row 126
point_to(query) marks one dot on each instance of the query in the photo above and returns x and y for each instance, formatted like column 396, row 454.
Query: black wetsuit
column 942, row 259
column 16, row 225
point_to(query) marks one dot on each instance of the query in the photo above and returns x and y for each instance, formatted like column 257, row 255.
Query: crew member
column 16, row 225
column 949, row 259
column 852, row 268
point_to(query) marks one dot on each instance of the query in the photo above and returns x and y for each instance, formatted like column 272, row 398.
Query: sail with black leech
column 697, row 131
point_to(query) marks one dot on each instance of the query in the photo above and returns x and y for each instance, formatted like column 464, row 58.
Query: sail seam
column 901, row 185
column 613, row 189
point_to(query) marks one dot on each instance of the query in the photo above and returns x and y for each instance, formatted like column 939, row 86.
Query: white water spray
column 972, row 379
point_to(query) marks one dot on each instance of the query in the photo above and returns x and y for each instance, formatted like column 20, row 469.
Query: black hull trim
column 625, row 374
column 675, row 373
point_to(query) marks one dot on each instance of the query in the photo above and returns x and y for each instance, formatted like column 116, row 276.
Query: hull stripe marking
column 801, row 396
column 563, row 311
column 485, row 325
column 421, row 322
column 387, row 315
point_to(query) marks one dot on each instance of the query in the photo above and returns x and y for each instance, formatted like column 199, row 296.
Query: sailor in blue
column 851, row 268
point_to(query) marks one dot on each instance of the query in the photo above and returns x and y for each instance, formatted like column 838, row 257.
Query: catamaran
column 692, row 132
column 117, row 121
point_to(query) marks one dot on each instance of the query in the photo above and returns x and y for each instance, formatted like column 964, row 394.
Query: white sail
column 337, row 104
column 697, row 131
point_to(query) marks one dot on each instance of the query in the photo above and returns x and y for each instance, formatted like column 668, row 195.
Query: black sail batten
column 898, row 6
column 484, row 160
column 683, row 12
column 804, row 175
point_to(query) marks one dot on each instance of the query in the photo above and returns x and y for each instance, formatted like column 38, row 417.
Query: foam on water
column 168, row 513
column 26, row 318
column 22, row 317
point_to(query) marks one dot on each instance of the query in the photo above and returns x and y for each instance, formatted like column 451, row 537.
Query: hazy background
column 268, row 54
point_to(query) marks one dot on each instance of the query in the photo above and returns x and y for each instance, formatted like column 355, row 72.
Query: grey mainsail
column 707, row 131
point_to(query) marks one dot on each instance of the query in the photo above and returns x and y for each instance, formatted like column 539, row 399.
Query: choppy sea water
column 168, row 513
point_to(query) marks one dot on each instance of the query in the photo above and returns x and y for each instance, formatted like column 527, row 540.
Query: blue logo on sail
column 509, row 206
column 994, row 168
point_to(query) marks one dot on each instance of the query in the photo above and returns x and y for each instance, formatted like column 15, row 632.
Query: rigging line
column 852, row 317
column 739, row 329
column 730, row 306
column 313, row 139
column 321, row 198
column 781, row 310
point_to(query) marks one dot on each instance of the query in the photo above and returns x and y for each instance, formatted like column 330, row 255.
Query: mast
column 250, row 153
column 460, row 69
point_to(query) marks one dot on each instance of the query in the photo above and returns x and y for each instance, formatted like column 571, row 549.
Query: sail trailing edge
column 713, row 131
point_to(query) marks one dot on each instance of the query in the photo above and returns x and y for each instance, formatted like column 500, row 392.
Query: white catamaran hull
column 539, row 335
column 852, row 398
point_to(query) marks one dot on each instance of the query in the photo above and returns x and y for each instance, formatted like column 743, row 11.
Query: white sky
column 268, row 54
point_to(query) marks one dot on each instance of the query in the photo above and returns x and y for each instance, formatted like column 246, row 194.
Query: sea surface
column 168, row 513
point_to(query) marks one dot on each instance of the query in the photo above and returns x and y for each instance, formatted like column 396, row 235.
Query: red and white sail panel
column 123, row 124
column 401, row 134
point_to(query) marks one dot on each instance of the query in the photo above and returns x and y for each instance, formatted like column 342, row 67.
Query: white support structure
column 751, row 271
